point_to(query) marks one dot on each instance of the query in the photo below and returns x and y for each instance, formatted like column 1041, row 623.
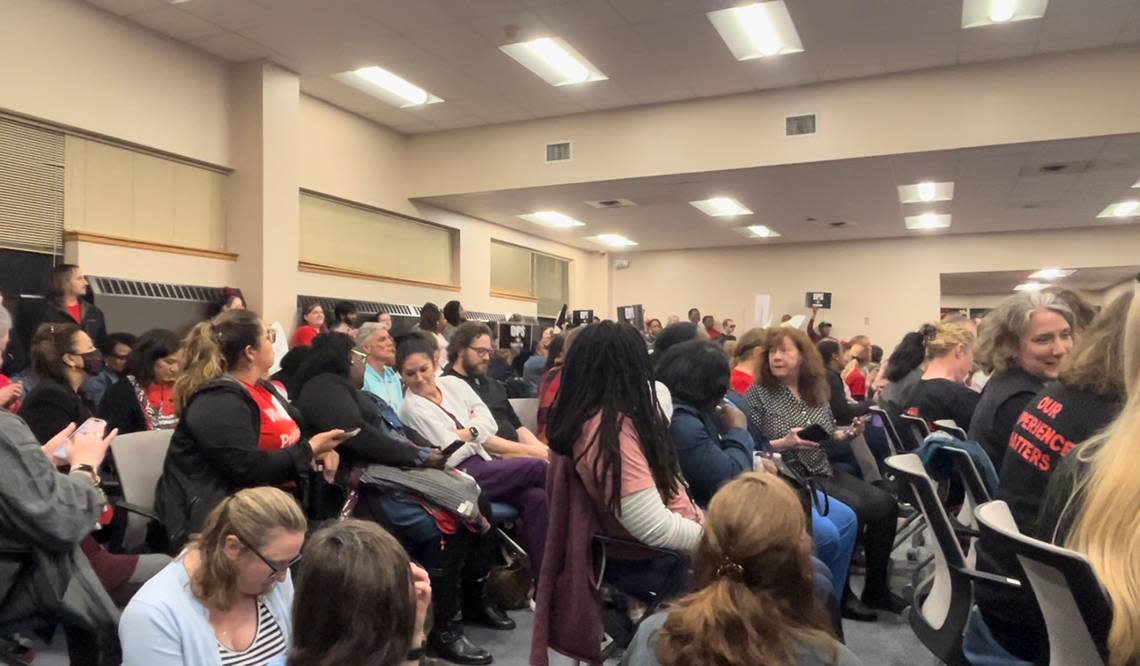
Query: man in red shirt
column 710, row 325
column 67, row 303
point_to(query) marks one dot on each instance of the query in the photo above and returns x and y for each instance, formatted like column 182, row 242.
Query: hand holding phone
column 814, row 433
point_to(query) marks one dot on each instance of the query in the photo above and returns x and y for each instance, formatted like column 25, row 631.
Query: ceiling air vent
column 1058, row 168
column 558, row 152
column 611, row 203
column 799, row 125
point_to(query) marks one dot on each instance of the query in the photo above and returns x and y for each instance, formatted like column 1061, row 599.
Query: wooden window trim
column 119, row 241
column 309, row 267
column 513, row 296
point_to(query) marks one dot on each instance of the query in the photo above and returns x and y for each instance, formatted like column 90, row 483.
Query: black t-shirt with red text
column 1054, row 422
column 938, row 399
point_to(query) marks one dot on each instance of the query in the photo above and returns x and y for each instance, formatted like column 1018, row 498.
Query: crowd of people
column 373, row 466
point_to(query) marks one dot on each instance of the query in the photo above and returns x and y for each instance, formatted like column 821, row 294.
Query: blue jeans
column 980, row 648
column 834, row 536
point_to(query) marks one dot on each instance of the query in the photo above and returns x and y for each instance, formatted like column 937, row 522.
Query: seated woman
column 445, row 410
column 753, row 602
column 608, row 421
column 746, row 359
column 834, row 360
column 227, row 598
column 903, row 370
column 942, row 394
column 1051, row 430
column 234, row 431
column 1023, row 342
column 312, row 324
column 855, row 374
column 552, row 380
column 64, row 357
column 330, row 381
column 357, row 594
column 144, row 398
column 714, row 446
column 433, row 325
column 1092, row 501
column 792, row 394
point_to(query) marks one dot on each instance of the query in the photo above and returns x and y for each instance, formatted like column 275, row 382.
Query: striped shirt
column 268, row 642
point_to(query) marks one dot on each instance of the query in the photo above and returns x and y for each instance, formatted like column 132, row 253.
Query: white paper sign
column 763, row 309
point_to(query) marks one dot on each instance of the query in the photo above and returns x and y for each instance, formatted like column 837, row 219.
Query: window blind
column 31, row 188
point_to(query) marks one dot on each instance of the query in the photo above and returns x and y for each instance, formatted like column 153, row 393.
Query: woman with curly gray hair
column 1023, row 342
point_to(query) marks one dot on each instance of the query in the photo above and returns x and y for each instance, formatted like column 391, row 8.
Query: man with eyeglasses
column 469, row 353
column 116, row 347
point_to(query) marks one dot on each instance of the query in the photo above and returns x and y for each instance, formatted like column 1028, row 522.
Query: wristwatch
column 474, row 432
column 90, row 472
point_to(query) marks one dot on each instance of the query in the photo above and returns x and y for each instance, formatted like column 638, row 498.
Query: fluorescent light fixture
column 612, row 240
column 758, row 231
column 381, row 83
column 1130, row 208
column 720, row 207
column 550, row 218
column 1030, row 286
column 1136, row 184
column 926, row 191
column 977, row 13
column 759, row 30
column 554, row 61
column 927, row 221
column 1051, row 274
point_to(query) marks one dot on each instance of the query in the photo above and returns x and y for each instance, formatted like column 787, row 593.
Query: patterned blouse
column 774, row 412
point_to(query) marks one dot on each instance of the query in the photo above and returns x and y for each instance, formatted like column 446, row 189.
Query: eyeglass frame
column 277, row 571
column 482, row 352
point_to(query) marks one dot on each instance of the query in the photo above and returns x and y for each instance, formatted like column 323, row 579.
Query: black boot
column 446, row 639
column 479, row 609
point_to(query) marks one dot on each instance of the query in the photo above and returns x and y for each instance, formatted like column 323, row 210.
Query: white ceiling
column 653, row 50
column 1002, row 282
column 997, row 189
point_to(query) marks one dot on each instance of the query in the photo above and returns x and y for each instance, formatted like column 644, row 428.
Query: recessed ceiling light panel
column 553, row 219
column 926, row 191
column 977, row 13
column 927, row 221
column 1030, row 286
column 385, row 85
column 758, row 231
column 1121, row 209
column 759, row 30
column 1051, row 274
column 554, row 61
column 1136, row 184
column 612, row 240
column 720, row 207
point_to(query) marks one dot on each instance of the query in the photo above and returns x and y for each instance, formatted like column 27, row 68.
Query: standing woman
column 312, row 325
column 433, row 323
column 144, row 398
column 234, row 431
column 226, row 599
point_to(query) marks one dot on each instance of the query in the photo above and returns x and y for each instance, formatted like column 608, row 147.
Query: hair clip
column 730, row 569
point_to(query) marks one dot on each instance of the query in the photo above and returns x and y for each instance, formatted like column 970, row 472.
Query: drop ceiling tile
column 1016, row 40
column 1130, row 30
column 711, row 82
column 645, row 11
column 474, row 9
column 580, row 16
column 1096, row 25
column 233, row 47
column 599, row 95
column 1062, row 152
column 124, row 7
column 1041, row 189
column 403, row 16
column 499, row 29
column 230, row 14
column 602, row 47
column 919, row 52
column 788, row 70
column 832, row 63
column 176, row 23
column 661, row 87
column 451, row 41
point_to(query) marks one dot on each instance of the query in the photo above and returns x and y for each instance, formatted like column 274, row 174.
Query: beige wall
column 1113, row 292
column 971, row 301
column 1001, row 102
column 883, row 288
column 135, row 264
column 346, row 156
column 70, row 63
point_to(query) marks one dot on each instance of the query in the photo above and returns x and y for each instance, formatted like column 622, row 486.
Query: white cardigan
column 427, row 418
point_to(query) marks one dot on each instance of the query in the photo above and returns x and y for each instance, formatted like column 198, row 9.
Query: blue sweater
column 708, row 459
column 166, row 625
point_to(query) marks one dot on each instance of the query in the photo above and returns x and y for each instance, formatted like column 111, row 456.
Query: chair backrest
column 1076, row 608
column 916, row 428
column 527, row 411
column 138, row 458
column 947, row 551
column 894, row 442
column 949, row 426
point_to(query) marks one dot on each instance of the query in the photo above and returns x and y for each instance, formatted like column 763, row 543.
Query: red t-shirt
column 278, row 429
column 76, row 312
column 857, row 382
column 741, row 381
column 305, row 335
column 14, row 406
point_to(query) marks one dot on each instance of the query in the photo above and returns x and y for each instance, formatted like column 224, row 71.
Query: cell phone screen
column 814, row 433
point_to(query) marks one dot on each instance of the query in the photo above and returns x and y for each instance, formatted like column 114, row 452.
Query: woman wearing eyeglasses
column 235, row 431
column 226, row 600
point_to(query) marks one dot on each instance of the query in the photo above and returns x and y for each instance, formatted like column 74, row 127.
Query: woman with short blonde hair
column 228, row 596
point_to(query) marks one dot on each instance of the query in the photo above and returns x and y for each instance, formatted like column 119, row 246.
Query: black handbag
column 809, row 461
column 806, row 484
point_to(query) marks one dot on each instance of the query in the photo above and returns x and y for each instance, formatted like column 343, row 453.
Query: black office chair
column 1077, row 611
column 915, row 429
column 894, row 441
column 949, row 427
column 941, row 604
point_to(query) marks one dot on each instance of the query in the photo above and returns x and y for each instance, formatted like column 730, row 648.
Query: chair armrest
column 967, row 531
column 136, row 509
column 993, row 579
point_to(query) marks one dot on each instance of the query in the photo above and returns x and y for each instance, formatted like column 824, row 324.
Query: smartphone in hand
column 90, row 426
column 814, row 433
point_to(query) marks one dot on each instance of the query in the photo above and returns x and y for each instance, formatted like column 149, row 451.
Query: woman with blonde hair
column 1092, row 502
column 228, row 596
column 855, row 375
column 941, row 393
column 753, row 602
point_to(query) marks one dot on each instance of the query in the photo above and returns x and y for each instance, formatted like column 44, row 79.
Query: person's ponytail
column 202, row 362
